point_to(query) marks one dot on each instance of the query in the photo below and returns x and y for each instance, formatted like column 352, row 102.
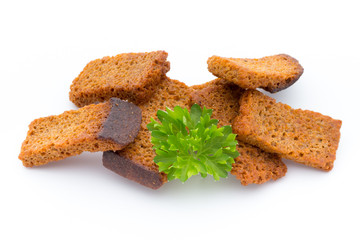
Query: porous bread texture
column 253, row 165
column 221, row 96
column 73, row 132
column 170, row 93
column 128, row 76
column 272, row 73
column 303, row 136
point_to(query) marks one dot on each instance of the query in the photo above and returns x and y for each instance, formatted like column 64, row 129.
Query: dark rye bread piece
column 272, row 73
column 128, row 76
column 97, row 127
column 304, row 136
column 253, row 165
column 135, row 162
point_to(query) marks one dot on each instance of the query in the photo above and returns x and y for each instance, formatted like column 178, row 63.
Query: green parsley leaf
column 188, row 143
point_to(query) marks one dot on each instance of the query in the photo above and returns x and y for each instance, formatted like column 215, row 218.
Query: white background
column 45, row 45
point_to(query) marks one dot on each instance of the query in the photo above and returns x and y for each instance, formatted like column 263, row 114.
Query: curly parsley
column 189, row 143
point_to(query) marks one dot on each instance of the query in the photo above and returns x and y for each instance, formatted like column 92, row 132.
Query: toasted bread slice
column 106, row 126
column 128, row 76
column 221, row 96
column 135, row 162
column 253, row 165
column 272, row 73
column 304, row 136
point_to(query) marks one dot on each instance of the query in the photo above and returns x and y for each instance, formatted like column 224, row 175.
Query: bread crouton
column 97, row 127
column 303, row 136
column 135, row 162
column 253, row 165
column 128, row 76
column 272, row 73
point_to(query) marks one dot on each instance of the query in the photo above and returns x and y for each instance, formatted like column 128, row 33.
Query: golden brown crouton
column 272, row 73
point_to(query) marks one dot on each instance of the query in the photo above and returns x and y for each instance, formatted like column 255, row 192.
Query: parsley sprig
column 189, row 143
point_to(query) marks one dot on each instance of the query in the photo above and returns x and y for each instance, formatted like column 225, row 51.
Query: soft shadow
column 290, row 96
column 294, row 166
column 86, row 162
column 90, row 164
column 195, row 186
column 86, row 166
column 207, row 187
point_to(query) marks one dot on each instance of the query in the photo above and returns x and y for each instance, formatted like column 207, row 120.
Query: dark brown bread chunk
column 128, row 76
column 253, row 165
column 130, row 170
column 272, row 73
column 98, row 127
column 304, row 136
column 136, row 160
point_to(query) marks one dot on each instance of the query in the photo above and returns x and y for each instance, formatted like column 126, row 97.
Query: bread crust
column 272, row 73
column 303, row 136
column 138, row 156
column 91, row 128
column 133, row 171
column 253, row 166
column 128, row 76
